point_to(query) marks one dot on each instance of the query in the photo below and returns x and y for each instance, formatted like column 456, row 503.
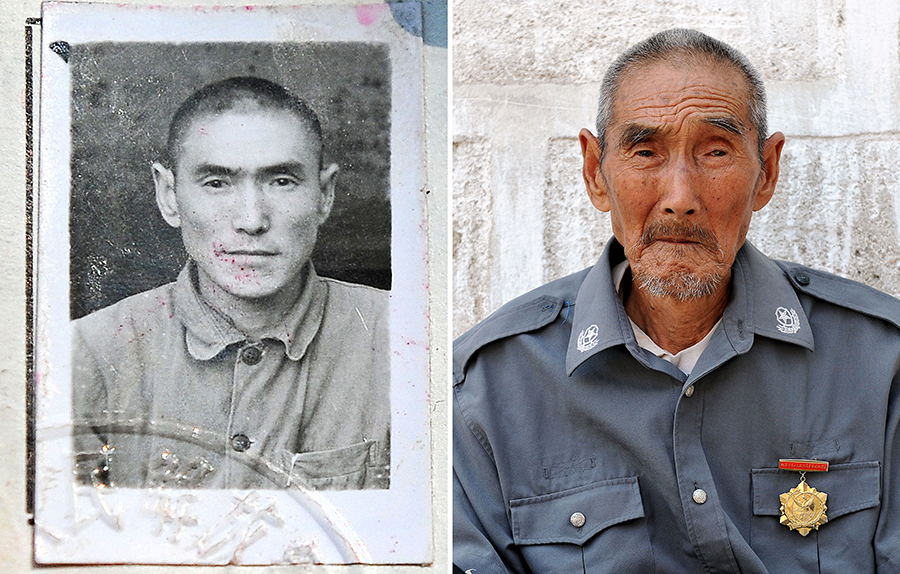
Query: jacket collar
column 763, row 302
column 208, row 332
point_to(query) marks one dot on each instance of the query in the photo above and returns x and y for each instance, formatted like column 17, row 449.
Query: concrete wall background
column 525, row 79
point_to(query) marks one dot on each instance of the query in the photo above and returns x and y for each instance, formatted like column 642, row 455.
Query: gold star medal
column 803, row 507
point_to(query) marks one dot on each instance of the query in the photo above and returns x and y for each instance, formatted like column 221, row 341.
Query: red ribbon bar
column 803, row 465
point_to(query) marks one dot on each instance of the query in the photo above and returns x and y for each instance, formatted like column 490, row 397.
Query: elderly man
column 686, row 404
column 250, row 370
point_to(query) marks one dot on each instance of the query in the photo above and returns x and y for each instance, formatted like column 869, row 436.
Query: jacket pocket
column 595, row 528
column 343, row 468
column 842, row 544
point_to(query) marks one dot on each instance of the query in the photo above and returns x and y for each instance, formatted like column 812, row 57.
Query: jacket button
column 689, row 392
column 251, row 355
column 240, row 442
column 577, row 519
column 802, row 278
column 699, row 496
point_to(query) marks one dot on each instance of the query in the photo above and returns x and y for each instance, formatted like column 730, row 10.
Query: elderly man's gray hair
column 670, row 45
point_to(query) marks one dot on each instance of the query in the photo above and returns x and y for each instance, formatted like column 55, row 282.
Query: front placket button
column 577, row 519
column 251, row 355
column 699, row 496
column 240, row 442
column 688, row 392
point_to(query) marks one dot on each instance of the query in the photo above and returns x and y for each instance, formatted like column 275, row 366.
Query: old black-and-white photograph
column 213, row 317
column 244, row 257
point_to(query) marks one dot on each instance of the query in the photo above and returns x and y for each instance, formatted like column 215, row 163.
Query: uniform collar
column 208, row 332
column 763, row 302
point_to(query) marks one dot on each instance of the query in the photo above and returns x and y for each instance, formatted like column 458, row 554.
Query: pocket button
column 577, row 519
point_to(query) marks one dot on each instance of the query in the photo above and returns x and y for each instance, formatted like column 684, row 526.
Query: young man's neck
column 255, row 317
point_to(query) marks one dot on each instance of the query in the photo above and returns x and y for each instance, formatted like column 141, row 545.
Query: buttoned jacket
column 577, row 450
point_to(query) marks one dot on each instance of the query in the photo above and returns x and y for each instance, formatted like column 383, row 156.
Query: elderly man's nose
column 680, row 190
column 251, row 214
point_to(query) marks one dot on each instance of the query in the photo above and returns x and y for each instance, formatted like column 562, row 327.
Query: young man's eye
column 284, row 182
column 215, row 183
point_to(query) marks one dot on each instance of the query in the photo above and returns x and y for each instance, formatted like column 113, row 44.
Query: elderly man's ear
column 771, row 158
column 164, row 182
column 593, row 179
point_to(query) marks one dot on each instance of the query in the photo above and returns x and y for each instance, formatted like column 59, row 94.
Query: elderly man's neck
column 674, row 324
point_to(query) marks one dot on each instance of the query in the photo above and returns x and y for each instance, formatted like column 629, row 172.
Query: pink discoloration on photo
column 413, row 342
column 219, row 251
column 368, row 13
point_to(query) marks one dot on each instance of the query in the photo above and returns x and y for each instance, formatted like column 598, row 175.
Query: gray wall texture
column 526, row 76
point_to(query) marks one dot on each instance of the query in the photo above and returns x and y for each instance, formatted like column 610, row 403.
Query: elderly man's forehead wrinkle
column 665, row 119
column 706, row 101
column 698, row 93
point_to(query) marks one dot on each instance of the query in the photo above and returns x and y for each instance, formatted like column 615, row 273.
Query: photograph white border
column 81, row 524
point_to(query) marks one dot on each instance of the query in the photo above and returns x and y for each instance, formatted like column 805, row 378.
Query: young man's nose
column 251, row 213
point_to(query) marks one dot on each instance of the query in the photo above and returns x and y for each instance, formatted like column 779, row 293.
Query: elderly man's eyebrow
column 727, row 123
column 634, row 134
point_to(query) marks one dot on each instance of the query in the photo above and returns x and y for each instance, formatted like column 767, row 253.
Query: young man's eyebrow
column 205, row 169
column 634, row 134
column 293, row 168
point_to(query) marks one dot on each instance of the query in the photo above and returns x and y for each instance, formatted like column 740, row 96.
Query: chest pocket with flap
column 842, row 544
column 595, row 528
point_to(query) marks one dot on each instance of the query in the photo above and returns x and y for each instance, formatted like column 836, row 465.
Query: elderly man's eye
column 644, row 153
column 718, row 153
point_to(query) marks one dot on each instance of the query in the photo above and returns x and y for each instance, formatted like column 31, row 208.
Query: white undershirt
column 684, row 360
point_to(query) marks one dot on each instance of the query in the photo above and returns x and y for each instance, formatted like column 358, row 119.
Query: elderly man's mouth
column 676, row 240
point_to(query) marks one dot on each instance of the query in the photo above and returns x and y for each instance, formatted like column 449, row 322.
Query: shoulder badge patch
column 588, row 338
column 788, row 320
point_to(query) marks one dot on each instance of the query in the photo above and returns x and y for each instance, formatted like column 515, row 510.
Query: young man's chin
column 247, row 285
column 253, row 292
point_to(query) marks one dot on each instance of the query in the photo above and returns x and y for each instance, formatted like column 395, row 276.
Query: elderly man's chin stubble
column 678, row 261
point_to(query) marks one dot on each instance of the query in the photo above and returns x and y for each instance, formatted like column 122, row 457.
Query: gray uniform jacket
column 575, row 450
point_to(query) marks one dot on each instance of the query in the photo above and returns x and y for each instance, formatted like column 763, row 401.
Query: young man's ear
column 164, row 182
column 327, row 179
column 593, row 179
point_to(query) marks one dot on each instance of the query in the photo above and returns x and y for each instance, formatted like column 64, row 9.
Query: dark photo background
column 123, row 97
